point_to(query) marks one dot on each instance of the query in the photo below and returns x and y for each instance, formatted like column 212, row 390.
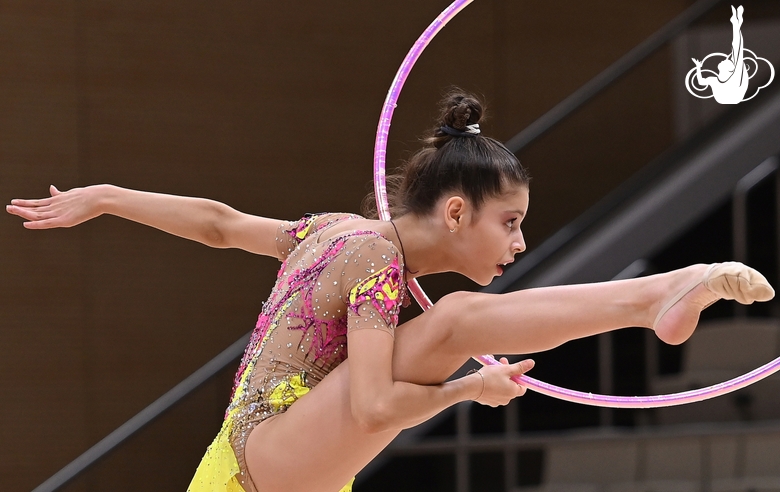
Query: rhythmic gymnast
column 731, row 84
column 305, row 417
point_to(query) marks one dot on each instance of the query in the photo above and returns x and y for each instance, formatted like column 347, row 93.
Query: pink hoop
column 380, row 155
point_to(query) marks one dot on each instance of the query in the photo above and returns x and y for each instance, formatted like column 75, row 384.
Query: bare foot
column 698, row 286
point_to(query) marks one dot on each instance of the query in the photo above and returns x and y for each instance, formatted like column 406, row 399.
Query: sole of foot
column 731, row 281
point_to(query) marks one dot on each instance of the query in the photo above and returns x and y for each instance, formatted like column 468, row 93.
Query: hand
column 499, row 389
column 62, row 209
column 697, row 62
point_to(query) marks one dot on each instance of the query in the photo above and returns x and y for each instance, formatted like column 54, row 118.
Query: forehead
column 514, row 200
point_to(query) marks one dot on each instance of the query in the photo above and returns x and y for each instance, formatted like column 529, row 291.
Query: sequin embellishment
column 382, row 290
column 352, row 279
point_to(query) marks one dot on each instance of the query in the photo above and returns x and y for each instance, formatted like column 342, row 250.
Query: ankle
column 642, row 303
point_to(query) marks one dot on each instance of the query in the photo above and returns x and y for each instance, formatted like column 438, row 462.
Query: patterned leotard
column 324, row 289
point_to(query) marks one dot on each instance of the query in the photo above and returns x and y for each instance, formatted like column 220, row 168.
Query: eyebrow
column 519, row 212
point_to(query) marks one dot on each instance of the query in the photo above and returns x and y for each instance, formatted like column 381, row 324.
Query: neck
column 423, row 246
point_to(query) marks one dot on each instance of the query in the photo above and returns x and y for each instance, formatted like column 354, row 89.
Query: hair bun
column 459, row 109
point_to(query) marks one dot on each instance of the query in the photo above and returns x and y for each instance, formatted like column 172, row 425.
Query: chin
column 484, row 282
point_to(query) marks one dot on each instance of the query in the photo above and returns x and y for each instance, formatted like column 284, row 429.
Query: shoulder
column 374, row 286
column 369, row 249
column 371, row 263
column 291, row 233
column 311, row 223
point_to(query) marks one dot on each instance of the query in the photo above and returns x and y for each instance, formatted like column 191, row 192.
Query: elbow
column 213, row 237
column 213, row 232
column 373, row 417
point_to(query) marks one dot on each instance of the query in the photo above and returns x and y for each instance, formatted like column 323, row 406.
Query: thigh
column 316, row 445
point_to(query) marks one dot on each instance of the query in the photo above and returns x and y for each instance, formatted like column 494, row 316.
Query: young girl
column 303, row 416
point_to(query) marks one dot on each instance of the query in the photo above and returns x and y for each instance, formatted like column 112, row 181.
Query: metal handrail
column 151, row 412
column 610, row 75
column 739, row 213
column 563, row 109
column 523, row 138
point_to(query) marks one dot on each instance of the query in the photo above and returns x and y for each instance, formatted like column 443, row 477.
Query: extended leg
column 535, row 320
column 317, row 445
column 736, row 37
column 539, row 319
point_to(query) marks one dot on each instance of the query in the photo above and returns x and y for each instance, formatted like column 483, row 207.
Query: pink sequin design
column 327, row 286
column 326, row 333
column 384, row 290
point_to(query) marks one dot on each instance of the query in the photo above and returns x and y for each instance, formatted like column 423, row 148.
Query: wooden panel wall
column 272, row 108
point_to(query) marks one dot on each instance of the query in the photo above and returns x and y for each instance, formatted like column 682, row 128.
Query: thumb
column 53, row 190
column 524, row 366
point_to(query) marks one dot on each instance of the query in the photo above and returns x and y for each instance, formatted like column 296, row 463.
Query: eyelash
column 511, row 222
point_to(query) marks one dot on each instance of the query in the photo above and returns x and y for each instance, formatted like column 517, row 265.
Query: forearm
column 405, row 405
column 699, row 78
column 191, row 218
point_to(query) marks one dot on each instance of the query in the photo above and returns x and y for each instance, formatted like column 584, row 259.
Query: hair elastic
column 469, row 131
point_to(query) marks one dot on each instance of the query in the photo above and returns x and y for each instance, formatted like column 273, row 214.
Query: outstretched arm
column 206, row 221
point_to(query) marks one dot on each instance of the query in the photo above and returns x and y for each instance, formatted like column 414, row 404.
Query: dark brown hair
column 477, row 166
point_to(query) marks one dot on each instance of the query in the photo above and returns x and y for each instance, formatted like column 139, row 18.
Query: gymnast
column 305, row 417
column 731, row 84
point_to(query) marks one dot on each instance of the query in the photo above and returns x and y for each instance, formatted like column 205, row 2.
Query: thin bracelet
column 483, row 382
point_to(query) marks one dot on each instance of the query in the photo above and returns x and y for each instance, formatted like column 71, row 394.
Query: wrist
column 103, row 198
column 479, row 384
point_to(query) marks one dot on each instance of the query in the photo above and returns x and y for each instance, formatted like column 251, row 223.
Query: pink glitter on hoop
column 380, row 154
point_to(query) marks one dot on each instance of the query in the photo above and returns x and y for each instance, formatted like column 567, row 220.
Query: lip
column 499, row 270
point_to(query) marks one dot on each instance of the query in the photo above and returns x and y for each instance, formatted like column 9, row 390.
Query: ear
column 455, row 208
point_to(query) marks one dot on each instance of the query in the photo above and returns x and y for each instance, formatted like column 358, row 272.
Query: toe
column 733, row 280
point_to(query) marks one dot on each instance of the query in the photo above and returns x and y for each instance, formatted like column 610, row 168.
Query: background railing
column 561, row 242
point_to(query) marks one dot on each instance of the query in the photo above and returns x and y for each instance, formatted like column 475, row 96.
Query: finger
column 43, row 224
column 527, row 364
column 523, row 366
column 34, row 214
column 15, row 210
column 31, row 203
column 504, row 360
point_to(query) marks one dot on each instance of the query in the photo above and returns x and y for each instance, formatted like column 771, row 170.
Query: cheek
column 486, row 248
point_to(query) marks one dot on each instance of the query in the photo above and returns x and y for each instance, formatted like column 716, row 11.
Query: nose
column 518, row 246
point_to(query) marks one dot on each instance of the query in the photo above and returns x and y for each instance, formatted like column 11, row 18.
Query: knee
column 454, row 311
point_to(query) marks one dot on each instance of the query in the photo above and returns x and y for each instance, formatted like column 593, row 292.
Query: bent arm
column 206, row 221
column 701, row 80
column 379, row 403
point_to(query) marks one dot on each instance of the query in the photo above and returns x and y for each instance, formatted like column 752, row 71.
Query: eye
column 511, row 222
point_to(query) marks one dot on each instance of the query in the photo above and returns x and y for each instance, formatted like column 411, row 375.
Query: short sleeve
column 375, row 286
column 291, row 232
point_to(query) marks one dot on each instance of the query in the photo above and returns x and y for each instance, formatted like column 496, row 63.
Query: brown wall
column 272, row 108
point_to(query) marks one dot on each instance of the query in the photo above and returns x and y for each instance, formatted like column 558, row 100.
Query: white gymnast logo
column 735, row 70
